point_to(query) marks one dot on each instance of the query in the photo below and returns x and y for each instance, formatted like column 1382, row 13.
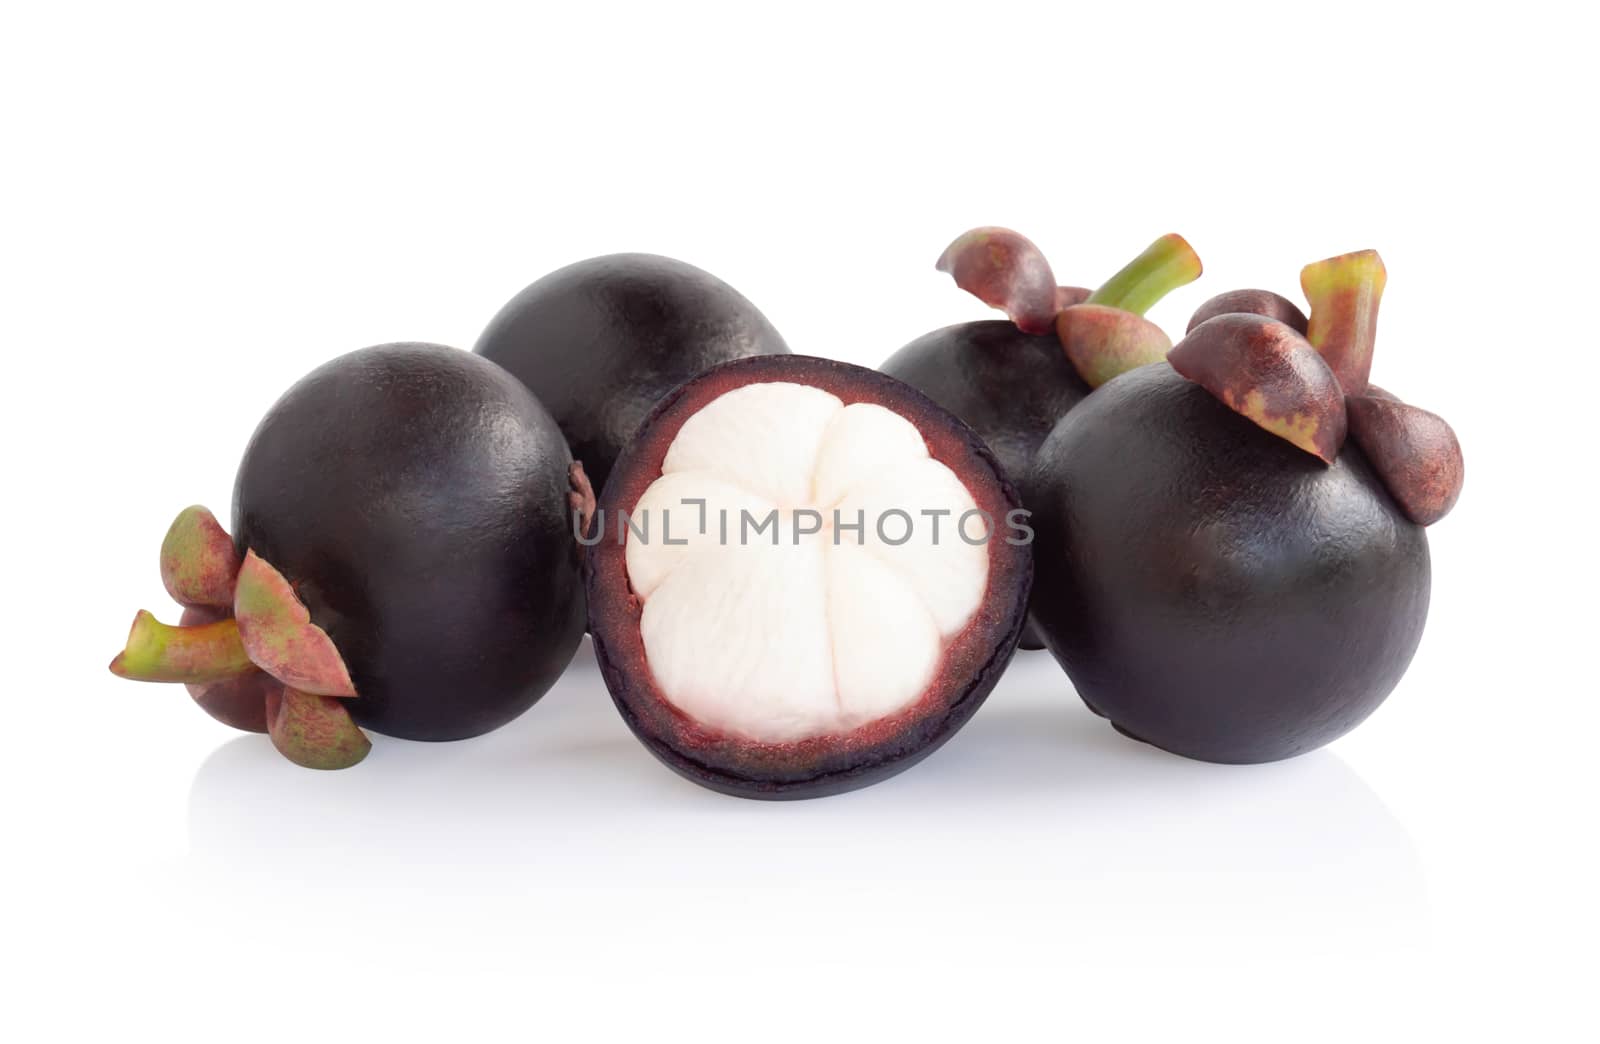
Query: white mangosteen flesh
column 757, row 626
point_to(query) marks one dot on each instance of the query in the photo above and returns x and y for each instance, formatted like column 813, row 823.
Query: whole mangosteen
column 1219, row 571
column 404, row 558
column 1011, row 381
column 600, row 341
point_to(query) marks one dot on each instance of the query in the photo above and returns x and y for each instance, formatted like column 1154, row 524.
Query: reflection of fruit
column 1209, row 583
column 1012, row 386
column 600, row 341
column 404, row 558
column 842, row 644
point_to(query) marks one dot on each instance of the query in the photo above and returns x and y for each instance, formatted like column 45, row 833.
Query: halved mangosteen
column 805, row 576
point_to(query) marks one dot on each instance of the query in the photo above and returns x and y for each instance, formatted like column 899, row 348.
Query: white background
column 201, row 202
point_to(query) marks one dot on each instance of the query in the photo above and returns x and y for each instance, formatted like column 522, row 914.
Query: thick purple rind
column 1217, row 593
column 613, row 612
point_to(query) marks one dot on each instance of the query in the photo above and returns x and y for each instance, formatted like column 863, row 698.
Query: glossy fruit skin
column 819, row 767
column 601, row 341
column 1212, row 589
column 1010, row 387
column 416, row 498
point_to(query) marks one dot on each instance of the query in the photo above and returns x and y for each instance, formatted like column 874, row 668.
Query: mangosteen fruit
column 1220, row 572
column 1012, row 380
column 404, row 558
column 804, row 577
column 600, row 341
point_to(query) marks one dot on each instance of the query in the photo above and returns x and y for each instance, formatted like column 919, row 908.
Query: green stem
column 158, row 652
column 1344, row 293
column 1165, row 265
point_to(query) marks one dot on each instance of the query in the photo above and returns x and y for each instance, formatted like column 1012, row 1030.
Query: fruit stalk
column 1165, row 265
column 158, row 652
column 1344, row 293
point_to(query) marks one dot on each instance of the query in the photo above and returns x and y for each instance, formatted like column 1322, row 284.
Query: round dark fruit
column 807, row 577
column 405, row 558
column 1008, row 386
column 416, row 498
column 1211, row 588
column 601, row 341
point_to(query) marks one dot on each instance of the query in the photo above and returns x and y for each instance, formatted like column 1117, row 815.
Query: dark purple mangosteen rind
column 808, row 768
column 600, row 341
column 1263, row 605
column 415, row 496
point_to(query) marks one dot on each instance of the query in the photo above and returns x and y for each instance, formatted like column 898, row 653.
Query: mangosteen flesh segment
column 808, row 594
column 1213, row 591
column 599, row 342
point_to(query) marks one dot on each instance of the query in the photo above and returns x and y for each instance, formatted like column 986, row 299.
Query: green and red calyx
column 1104, row 333
column 1261, row 368
column 1004, row 270
column 252, row 638
column 1312, row 390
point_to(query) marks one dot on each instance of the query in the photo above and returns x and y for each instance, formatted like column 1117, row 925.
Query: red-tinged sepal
column 1262, row 369
column 279, row 636
column 1415, row 453
column 1104, row 342
column 314, row 731
column 1251, row 302
column 198, row 560
column 1004, row 270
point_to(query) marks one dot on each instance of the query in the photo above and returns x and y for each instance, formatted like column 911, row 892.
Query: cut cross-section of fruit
column 808, row 576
